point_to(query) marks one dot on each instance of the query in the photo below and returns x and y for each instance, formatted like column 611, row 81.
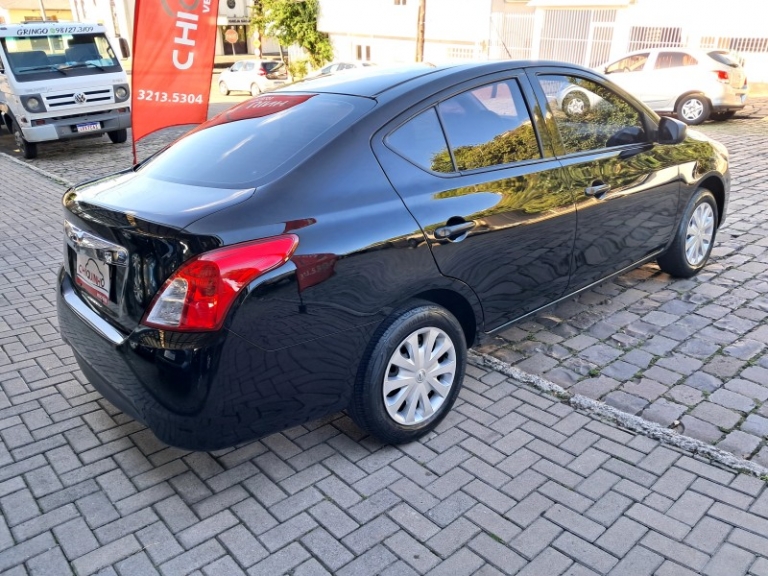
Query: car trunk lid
column 117, row 257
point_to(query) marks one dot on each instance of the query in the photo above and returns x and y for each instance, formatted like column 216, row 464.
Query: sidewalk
column 513, row 482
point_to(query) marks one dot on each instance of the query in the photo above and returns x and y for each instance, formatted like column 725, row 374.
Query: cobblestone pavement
column 689, row 354
column 512, row 481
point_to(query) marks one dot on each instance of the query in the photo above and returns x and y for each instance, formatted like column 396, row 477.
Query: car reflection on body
column 695, row 85
column 340, row 243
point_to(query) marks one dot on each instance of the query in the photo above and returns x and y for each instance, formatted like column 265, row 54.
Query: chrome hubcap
column 419, row 376
column 698, row 238
column 692, row 109
column 575, row 106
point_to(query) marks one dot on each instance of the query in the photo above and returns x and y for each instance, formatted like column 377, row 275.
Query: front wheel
column 411, row 373
column 694, row 238
column 28, row 149
column 255, row 90
column 118, row 136
column 576, row 103
column 693, row 109
column 223, row 89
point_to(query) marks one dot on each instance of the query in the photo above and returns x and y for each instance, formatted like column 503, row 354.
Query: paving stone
column 728, row 560
column 703, row 382
column 626, row 402
column 732, row 400
column 739, row 443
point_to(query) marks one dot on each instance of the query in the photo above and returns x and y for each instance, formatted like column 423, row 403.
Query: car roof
column 372, row 82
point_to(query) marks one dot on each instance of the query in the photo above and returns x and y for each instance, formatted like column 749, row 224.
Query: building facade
column 19, row 11
column 586, row 32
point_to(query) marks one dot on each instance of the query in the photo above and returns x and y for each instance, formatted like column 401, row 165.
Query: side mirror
column 671, row 131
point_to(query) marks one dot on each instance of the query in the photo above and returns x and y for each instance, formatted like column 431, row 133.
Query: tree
column 293, row 22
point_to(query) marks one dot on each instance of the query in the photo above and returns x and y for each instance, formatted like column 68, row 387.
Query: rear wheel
column 693, row 109
column 255, row 90
column 411, row 374
column 694, row 238
column 118, row 136
column 28, row 149
column 223, row 89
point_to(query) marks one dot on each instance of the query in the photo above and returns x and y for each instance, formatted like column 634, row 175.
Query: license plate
column 88, row 126
column 92, row 275
column 743, row 98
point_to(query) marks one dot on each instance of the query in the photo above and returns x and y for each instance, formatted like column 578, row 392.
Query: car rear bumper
column 728, row 98
column 207, row 391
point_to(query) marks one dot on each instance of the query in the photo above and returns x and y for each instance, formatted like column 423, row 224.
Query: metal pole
column 42, row 10
column 420, row 31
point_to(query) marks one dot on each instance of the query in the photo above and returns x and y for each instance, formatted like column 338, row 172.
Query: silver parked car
column 254, row 76
column 695, row 85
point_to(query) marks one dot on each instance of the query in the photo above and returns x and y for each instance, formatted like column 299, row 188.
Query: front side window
column 55, row 56
column 674, row 60
column 633, row 63
column 590, row 116
column 489, row 126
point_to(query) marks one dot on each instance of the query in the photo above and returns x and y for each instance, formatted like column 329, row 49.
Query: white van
column 61, row 80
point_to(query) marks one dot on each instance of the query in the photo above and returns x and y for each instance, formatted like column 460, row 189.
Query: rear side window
column 240, row 153
column 421, row 140
column 489, row 126
column 674, row 60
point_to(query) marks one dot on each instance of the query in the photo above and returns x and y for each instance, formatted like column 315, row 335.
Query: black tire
column 693, row 109
column 367, row 406
column 721, row 116
column 255, row 90
column 28, row 149
column 223, row 90
column 675, row 260
column 576, row 104
column 118, row 136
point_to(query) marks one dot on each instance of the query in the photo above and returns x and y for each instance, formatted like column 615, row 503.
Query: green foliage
column 298, row 69
column 293, row 22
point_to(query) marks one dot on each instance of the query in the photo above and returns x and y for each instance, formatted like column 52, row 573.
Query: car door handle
column 598, row 189
column 453, row 230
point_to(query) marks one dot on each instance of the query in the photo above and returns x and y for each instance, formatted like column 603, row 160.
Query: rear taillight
column 722, row 75
column 198, row 295
column 262, row 72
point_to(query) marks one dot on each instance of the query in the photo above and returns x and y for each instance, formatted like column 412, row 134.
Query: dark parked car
column 340, row 243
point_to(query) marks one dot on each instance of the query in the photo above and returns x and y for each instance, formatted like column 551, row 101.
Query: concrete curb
column 627, row 421
column 40, row 171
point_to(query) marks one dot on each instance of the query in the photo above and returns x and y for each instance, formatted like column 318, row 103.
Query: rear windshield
column 235, row 153
column 59, row 55
column 725, row 58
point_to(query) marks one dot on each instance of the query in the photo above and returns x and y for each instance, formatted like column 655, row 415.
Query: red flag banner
column 173, row 46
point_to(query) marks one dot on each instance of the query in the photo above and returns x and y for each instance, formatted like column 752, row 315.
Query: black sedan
column 340, row 243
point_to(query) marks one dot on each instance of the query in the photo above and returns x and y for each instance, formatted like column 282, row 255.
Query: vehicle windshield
column 41, row 57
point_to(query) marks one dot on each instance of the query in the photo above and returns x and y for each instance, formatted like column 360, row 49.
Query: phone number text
column 173, row 97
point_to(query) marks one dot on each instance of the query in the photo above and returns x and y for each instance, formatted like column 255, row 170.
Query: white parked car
column 254, row 76
column 693, row 84
column 335, row 67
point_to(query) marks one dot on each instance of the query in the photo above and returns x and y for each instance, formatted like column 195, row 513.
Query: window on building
column 400, row 2
column 363, row 52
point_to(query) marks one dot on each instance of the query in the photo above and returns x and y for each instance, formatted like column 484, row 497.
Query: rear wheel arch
column 457, row 305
